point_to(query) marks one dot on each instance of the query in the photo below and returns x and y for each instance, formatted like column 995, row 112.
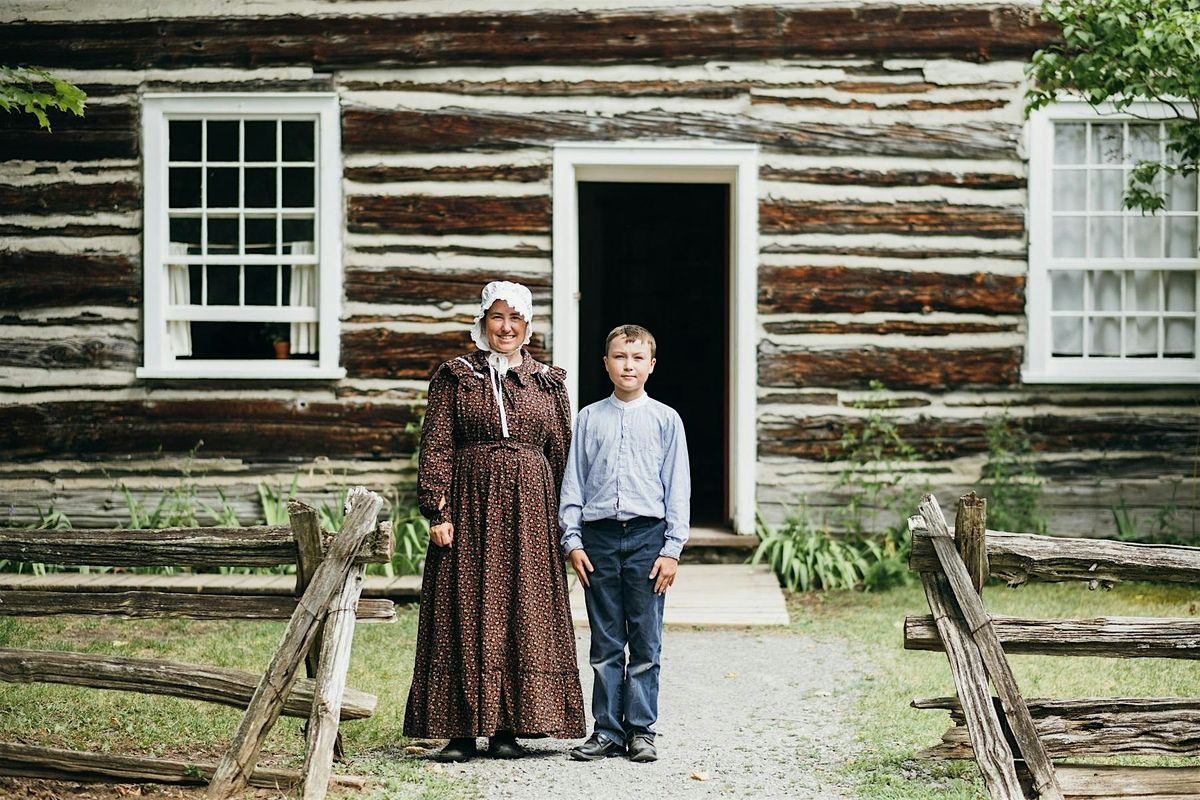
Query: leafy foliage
column 1010, row 481
column 808, row 557
column 1123, row 52
column 34, row 91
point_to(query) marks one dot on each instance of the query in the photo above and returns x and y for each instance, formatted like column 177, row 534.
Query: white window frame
column 157, row 111
column 673, row 162
column 1040, row 366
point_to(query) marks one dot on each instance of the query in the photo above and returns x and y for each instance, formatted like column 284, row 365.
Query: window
column 242, row 236
column 1112, row 293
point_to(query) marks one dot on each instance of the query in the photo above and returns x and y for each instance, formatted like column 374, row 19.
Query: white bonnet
column 516, row 296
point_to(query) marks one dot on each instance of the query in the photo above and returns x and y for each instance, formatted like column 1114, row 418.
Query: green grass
column 890, row 732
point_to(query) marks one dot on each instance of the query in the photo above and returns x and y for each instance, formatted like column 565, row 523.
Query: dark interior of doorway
column 657, row 255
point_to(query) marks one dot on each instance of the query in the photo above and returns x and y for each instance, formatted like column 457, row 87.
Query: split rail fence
column 1014, row 740
column 321, row 619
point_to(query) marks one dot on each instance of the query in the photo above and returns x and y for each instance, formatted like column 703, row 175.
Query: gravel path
column 754, row 714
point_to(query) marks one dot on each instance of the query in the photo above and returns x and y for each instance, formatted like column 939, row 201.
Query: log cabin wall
column 892, row 235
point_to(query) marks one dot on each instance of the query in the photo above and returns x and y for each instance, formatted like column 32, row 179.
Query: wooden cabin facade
column 797, row 198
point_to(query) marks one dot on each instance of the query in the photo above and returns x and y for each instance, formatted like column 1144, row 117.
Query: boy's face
column 629, row 365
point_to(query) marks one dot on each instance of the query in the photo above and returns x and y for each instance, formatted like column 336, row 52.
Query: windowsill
column 1109, row 376
column 245, row 370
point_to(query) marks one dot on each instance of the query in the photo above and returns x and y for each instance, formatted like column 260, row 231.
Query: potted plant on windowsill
column 277, row 334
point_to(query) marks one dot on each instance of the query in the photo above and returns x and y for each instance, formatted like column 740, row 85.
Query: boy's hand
column 442, row 535
column 664, row 570
column 582, row 565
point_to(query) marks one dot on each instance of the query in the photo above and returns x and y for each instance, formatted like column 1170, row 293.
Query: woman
column 495, row 647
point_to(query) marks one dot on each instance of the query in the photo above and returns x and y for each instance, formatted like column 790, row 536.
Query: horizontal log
column 70, row 352
column 870, row 250
column 419, row 286
column 850, row 176
column 441, row 215
column 859, row 104
column 52, row 763
column 1091, row 727
column 886, row 327
column 1113, row 781
column 934, row 218
column 227, row 427
column 898, row 368
column 255, row 546
column 70, row 231
column 385, row 353
column 465, row 129
column 231, row 687
column 70, row 198
column 1021, row 557
column 105, row 131
column 660, row 35
column 1107, row 637
column 816, row 290
column 490, row 172
column 157, row 605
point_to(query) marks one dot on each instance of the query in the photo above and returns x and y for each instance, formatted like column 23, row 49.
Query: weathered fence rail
column 321, row 619
column 1011, row 739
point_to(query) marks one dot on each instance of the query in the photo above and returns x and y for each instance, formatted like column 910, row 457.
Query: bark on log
column 70, row 198
column 813, row 290
column 107, row 131
column 889, row 327
column 436, row 214
column 138, row 605
column 420, row 286
column 71, row 352
column 237, row 764
column 848, row 176
column 489, row 173
column 1168, row 726
column 54, row 280
column 1021, row 557
column 970, row 537
column 385, row 353
column 229, row 687
column 343, row 42
column 898, row 368
column 23, row 760
column 1108, row 637
column 254, row 546
column 935, row 218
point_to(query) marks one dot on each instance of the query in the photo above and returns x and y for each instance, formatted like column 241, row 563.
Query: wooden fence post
column 970, row 536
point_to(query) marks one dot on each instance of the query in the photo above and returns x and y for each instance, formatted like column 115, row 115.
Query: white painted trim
column 673, row 162
column 158, row 362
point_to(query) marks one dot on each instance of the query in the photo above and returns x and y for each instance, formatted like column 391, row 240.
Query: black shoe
column 458, row 750
column 504, row 745
column 596, row 748
column 642, row 750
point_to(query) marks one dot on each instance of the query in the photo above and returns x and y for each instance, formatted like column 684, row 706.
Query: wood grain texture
column 815, row 290
column 421, row 286
column 50, row 280
column 1149, row 783
column 385, row 353
column 71, row 352
column 898, row 368
column 850, row 176
column 106, row 131
column 70, row 198
column 507, row 173
column 903, row 327
column 175, row 605
column 934, row 218
column 441, row 215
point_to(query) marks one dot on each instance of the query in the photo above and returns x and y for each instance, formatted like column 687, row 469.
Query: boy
column 624, row 517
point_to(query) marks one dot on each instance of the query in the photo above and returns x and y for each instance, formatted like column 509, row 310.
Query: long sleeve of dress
column 436, row 466
column 559, row 441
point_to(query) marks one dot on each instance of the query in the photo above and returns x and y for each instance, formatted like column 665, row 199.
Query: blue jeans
column 623, row 611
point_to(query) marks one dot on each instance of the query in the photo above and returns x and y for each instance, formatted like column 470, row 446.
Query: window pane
column 1180, row 291
column 184, row 140
column 1144, row 142
column 298, row 187
column 1070, row 190
column 230, row 340
column 1180, row 338
column 1066, row 290
column 186, row 230
column 223, row 141
column 1181, row 237
column 1067, row 335
column 1108, row 187
column 260, row 187
column 1141, row 289
column 1069, row 142
column 1105, row 236
column 298, row 141
column 1145, row 236
column 222, row 187
column 260, row 285
column 1181, row 193
column 183, row 189
column 1068, row 237
column 1141, row 337
column 260, row 235
column 297, row 230
column 1106, row 336
column 260, row 140
column 1106, row 144
column 1106, row 291
column 223, row 236
column 222, row 285
column 195, row 283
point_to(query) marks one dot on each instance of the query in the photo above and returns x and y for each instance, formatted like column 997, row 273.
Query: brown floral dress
column 495, row 646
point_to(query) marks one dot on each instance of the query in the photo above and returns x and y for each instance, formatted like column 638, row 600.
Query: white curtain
column 303, row 335
column 179, row 331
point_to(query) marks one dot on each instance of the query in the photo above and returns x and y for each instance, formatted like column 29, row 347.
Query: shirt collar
column 522, row 371
column 619, row 403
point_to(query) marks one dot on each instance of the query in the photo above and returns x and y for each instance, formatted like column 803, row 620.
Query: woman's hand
column 442, row 534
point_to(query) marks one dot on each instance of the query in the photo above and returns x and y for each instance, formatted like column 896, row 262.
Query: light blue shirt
column 627, row 460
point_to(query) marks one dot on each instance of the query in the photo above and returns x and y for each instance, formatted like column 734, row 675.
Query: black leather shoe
column 504, row 745
column 642, row 749
column 596, row 748
column 458, row 750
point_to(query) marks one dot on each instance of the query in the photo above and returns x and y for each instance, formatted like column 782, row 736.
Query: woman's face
column 505, row 328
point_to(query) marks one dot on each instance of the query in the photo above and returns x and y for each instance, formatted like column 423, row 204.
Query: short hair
column 632, row 333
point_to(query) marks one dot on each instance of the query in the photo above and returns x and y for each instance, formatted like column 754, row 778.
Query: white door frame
column 673, row 162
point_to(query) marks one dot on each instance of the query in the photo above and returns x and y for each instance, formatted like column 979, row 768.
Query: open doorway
column 658, row 255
